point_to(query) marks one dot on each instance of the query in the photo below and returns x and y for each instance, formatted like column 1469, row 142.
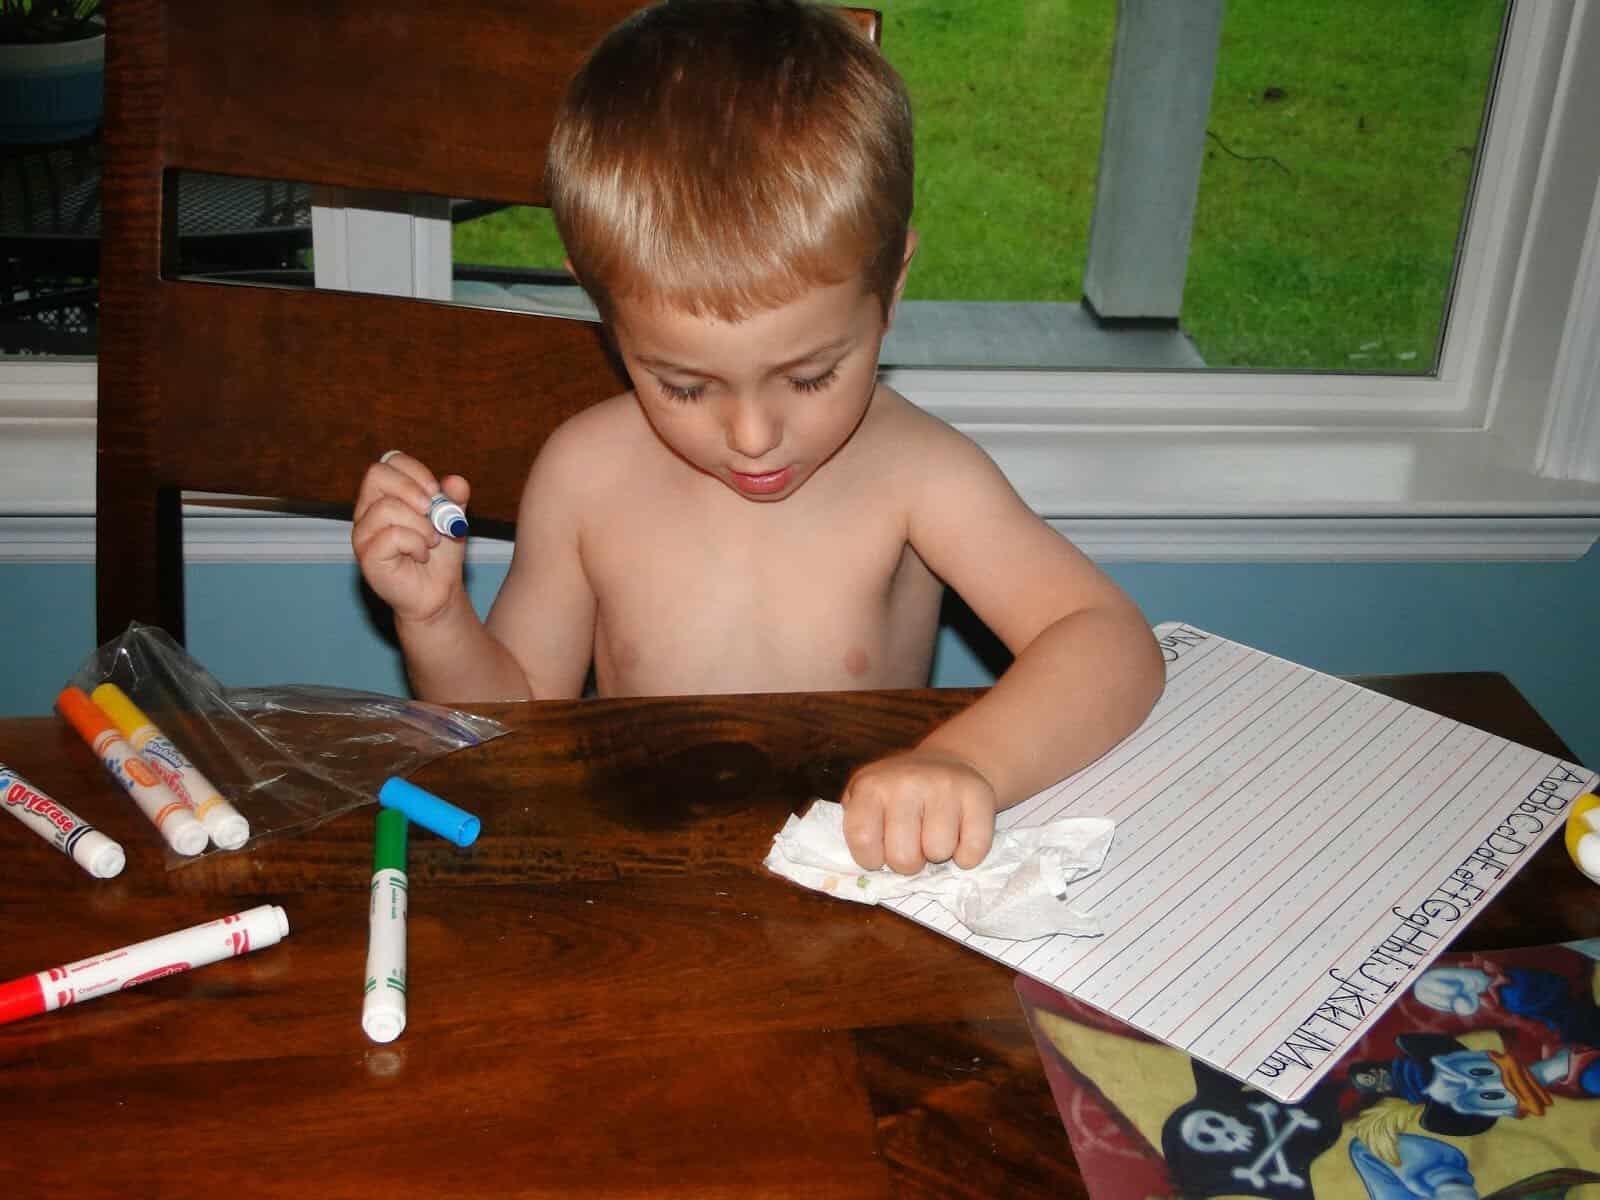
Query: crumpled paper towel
column 1017, row 891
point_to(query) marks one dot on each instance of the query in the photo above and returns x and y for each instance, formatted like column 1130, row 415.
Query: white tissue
column 1018, row 891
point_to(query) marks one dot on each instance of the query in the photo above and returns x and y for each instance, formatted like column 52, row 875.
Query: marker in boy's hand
column 406, row 559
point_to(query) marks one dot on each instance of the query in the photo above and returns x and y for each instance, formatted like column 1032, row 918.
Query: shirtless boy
column 732, row 180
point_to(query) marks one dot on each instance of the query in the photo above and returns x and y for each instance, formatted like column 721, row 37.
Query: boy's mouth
column 765, row 484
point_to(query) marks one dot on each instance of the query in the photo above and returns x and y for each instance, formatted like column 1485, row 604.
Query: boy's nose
column 752, row 431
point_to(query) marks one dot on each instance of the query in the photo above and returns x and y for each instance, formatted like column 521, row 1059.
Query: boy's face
column 760, row 404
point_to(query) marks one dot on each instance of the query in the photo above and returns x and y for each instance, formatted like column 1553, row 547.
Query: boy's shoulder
column 604, row 421
column 899, row 431
column 611, row 427
column 610, row 432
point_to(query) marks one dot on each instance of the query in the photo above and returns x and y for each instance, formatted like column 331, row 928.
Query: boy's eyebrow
column 668, row 364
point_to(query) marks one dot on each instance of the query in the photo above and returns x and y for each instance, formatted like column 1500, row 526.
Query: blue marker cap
column 458, row 527
column 426, row 809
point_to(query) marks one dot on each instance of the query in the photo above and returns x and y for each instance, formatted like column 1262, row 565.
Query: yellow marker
column 1583, row 834
column 225, row 823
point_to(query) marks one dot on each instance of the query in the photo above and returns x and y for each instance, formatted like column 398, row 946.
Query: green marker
column 383, row 1009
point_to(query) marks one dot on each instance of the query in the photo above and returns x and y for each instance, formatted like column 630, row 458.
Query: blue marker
column 449, row 822
column 447, row 516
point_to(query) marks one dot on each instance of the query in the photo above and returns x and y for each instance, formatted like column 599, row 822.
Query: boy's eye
column 682, row 395
column 817, row 382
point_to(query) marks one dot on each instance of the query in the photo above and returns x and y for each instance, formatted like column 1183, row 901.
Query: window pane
column 1338, row 154
column 1333, row 166
column 49, row 247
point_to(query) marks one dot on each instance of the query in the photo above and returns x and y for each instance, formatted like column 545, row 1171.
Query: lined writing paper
column 1291, row 851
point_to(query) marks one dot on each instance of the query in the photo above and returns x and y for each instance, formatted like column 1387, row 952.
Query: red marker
column 118, row 970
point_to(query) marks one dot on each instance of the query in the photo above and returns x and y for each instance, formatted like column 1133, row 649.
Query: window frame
column 1496, row 456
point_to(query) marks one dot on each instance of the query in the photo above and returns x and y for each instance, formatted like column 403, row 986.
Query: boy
column 732, row 181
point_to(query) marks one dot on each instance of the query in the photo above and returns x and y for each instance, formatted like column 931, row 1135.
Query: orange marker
column 226, row 825
column 175, row 819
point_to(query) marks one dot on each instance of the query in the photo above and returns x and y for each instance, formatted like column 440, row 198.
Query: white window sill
column 1155, row 494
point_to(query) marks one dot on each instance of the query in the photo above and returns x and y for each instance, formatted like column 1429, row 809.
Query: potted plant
column 52, row 69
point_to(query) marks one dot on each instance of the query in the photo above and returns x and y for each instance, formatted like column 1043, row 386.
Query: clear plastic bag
column 287, row 757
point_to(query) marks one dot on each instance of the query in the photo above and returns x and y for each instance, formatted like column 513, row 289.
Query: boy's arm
column 537, row 640
column 417, row 571
column 1086, row 670
column 544, row 614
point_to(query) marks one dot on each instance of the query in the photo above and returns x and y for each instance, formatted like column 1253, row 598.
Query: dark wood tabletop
column 609, row 995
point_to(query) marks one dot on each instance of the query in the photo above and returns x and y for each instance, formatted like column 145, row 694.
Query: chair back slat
column 452, row 99
column 464, row 389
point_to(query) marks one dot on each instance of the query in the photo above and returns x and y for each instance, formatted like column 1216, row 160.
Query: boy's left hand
column 918, row 807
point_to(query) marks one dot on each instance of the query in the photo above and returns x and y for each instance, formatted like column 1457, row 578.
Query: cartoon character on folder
column 1476, row 1084
column 1464, row 1091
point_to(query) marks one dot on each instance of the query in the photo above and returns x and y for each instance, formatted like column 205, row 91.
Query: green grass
column 1341, row 260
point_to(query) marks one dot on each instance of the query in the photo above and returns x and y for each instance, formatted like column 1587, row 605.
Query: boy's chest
column 774, row 605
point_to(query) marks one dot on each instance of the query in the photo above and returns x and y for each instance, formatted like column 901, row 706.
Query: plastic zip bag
column 288, row 757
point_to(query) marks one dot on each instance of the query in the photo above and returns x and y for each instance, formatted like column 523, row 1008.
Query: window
column 1466, row 460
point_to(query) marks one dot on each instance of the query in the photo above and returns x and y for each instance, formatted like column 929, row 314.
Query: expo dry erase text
column 60, row 826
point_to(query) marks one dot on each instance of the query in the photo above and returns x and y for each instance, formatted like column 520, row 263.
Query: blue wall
column 1535, row 622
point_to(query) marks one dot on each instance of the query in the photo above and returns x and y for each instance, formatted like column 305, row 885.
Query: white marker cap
column 185, row 834
column 99, row 855
column 383, row 1024
column 227, row 827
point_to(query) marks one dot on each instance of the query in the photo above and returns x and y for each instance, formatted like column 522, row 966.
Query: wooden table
column 609, row 995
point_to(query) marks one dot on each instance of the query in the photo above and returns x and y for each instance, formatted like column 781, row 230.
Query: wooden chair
column 263, row 391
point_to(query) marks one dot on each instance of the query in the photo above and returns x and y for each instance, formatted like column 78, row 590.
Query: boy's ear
column 567, row 263
column 900, row 284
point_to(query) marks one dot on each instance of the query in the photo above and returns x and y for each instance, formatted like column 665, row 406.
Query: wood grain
column 610, row 996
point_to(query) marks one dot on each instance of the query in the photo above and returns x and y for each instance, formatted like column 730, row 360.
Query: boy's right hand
column 404, row 559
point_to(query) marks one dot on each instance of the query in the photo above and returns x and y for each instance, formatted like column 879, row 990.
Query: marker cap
column 82, row 714
column 185, row 834
column 383, row 1024
column 227, row 827
column 99, row 855
column 449, row 822
column 21, row 998
column 114, row 702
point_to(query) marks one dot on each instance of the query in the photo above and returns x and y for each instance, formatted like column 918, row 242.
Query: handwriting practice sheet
column 1291, row 852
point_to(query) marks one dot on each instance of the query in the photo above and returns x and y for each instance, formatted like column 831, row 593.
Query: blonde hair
column 723, row 156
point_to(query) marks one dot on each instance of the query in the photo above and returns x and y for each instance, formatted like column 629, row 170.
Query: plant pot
column 52, row 91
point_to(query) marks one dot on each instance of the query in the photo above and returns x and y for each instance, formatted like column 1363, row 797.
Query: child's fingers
column 903, row 826
column 403, row 475
column 391, row 512
column 863, row 827
column 384, row 481
column 395, row 542
column 942, row 829
column 457, row 488
column 977, row 834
